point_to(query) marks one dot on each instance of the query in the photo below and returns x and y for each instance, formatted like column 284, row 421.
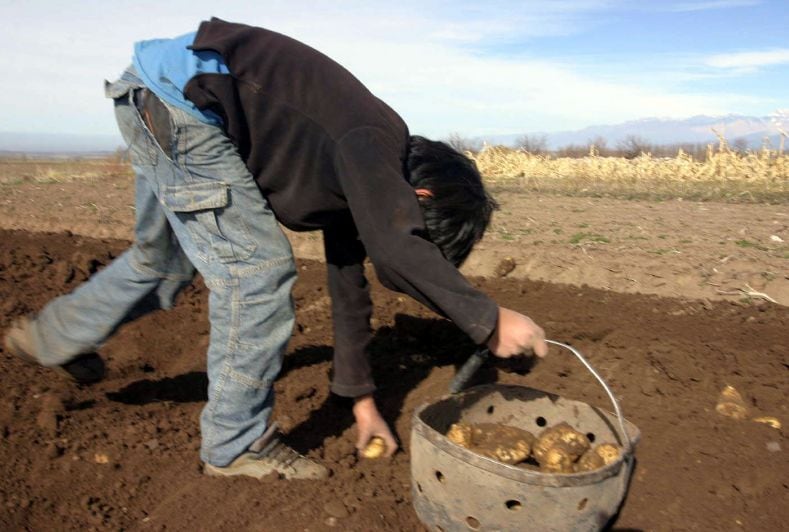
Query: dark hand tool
column 468, row 369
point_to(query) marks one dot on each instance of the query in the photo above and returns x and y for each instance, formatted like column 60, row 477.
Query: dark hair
column 459, row 209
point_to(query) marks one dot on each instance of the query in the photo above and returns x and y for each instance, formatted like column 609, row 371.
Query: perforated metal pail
column 455, row 489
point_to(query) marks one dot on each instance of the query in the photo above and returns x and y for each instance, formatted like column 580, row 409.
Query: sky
column 447, row 66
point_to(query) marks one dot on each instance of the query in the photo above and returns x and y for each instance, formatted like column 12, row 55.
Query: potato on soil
column 773, row 422
column 731, row 404
column 572, row 441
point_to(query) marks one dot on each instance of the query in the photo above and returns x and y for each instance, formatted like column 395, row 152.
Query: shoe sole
column 84, row 369
column 250, row 469
column 214, row 471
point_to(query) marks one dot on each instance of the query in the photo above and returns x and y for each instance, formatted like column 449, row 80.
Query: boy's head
column 454, row 202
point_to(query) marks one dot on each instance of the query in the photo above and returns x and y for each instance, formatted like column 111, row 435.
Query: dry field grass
column 761, row 176
column 17, row 170
column 753, row 177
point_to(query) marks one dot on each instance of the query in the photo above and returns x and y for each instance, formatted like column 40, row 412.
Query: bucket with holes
column 456, row 489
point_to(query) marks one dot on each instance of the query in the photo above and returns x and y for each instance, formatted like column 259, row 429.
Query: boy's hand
column 369, row 423
column 515, row 334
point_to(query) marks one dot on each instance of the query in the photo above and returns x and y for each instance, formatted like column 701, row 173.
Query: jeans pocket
column 142, row 148
column 156, row 117
column 204, row 209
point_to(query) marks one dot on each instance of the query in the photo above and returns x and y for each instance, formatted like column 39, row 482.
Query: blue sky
column 477, row 68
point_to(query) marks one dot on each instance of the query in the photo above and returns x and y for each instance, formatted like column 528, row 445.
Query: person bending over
column 232, row 130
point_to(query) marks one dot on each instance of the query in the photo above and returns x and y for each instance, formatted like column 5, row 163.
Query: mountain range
column 698, row 129
column 660, row 131
column 58, row 143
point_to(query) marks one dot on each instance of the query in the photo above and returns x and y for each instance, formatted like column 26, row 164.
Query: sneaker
column 270, row 455
column 83, row 369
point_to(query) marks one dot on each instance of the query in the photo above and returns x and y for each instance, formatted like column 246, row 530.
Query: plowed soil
column 674, row 248
column 122, row 454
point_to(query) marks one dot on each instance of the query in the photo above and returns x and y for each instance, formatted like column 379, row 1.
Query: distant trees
column 632, row 146
column 534, row 144
column 629, row 147
column 740, row 144
column 600, row 145
column 574, row 151
column 463, row 144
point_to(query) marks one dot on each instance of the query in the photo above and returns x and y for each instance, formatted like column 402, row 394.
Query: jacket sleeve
column 351, row 310
column 389, row 220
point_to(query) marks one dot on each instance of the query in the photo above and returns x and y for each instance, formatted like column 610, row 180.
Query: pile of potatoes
column 558, row 449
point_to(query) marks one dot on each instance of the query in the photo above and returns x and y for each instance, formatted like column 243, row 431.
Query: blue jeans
column 197, row 207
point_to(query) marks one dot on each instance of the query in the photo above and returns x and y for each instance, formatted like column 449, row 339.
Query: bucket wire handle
column 617, row 410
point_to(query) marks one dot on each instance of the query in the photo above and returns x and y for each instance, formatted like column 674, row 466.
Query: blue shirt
column 167, row 65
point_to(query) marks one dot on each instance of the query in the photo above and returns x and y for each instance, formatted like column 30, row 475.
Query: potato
column 460, row 433
column 576, row 443
column 506, row 453
column 572, row 441
column 545, row 441
column 506, row 444
column 504, row 434
column 732, row 410
column 731, row 404
column 557, row 459
column 376, row 448
column 590, row 461
column 773, row 422
column 600, row 456
column 608, row 452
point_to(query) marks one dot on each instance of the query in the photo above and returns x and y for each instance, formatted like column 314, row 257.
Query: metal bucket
column 455, row 489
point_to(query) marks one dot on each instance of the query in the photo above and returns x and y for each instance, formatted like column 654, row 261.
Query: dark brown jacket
column 329, row 155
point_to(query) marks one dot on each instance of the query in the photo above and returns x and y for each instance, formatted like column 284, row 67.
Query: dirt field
column 671, row 248
column 122, row 454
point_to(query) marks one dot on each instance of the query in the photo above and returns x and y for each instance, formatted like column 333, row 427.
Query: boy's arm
column 389, row 220
column 351, row 310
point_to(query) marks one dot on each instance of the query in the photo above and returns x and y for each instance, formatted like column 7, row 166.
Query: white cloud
column 444, row 90
column 423, row 58
column 749, row 60
column 712, row 4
